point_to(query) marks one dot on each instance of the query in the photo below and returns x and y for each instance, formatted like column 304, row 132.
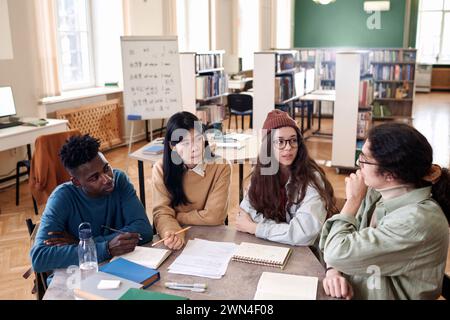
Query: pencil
column 178, row 232
column 119, row 231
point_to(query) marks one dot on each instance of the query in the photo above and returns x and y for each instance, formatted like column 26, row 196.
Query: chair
column 46, row 169
column 26, row 164
column 40, row 278
column 240, row 104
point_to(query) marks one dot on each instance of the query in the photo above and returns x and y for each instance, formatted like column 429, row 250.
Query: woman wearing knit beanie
column 290, row 204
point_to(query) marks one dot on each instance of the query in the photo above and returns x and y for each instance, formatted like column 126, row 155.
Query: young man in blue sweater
column 96, row 194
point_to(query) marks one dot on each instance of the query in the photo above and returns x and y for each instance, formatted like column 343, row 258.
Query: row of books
column 328, row 56
column 212, row 113
column 365, row 67
column 285, row 61
column 366, row 91
column 307, row 55
column 363, row 124
column 284, row 88
column 393, row 91
column 393, row 72
column 208, row 61
column 210, row 85
column 393, row 56
column 328, row 72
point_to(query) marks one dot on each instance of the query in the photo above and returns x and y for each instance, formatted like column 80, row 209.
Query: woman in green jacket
column 390, row 240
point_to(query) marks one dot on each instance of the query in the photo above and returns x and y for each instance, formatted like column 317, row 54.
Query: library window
column 433, row 32
column 193, row 23
column 74, row 36
column 248, row 31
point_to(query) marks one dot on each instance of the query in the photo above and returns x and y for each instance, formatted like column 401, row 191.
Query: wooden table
column 320, row 95
column 238, row 283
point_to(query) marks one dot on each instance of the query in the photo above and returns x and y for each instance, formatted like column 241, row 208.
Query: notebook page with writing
column 262, row 254
column 148, row 257
column 279, row 286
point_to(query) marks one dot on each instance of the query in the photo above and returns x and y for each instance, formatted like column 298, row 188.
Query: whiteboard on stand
column 151, row 72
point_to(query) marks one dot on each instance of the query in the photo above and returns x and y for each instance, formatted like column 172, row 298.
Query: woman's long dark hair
column 265, row 190
column 404, row 152
column 174, row 171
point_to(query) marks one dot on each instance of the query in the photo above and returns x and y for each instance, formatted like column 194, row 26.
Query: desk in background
column 319, row 95
column 239, row 85
column 23, row 135
column 238, row 283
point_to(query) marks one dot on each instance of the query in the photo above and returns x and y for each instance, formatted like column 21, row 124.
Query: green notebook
column 137, row 294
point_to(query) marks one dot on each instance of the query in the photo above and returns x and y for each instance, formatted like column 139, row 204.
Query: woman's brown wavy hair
column 264, row 192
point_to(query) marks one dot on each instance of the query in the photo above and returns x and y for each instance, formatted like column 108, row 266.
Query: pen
column 119, row 231
column 186, row 285
column 189, row 289
column 178, row 232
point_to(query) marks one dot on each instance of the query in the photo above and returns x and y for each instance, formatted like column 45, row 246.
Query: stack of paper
column 279, row 286
column 204, row 258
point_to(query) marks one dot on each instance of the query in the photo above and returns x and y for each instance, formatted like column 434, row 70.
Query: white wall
column 6, row 51
column 145, row 17
column 21, row 73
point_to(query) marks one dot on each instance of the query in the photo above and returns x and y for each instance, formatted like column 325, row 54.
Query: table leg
column 147, row 137
column 320, row 114
column 302, row 115
column 141, row 182
column 241, row 177
column 29, row 151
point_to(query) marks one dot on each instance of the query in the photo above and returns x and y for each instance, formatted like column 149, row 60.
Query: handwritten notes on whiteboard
column 151, row 71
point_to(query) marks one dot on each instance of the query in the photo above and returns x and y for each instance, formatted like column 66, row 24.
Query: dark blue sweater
column 68, row 206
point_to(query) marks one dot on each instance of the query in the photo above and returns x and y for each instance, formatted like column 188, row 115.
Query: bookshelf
column 394, row 72
column 204, row 84
column 278, row 82
column 353, row 107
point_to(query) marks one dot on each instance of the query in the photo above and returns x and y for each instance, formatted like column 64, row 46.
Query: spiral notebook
column 262, row 254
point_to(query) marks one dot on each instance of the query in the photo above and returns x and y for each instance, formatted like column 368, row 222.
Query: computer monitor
column 7, row 107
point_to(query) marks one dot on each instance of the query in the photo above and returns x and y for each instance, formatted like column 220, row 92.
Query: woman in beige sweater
column 190, row 185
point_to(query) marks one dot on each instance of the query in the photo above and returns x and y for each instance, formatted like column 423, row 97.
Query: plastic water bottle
column 87, row 252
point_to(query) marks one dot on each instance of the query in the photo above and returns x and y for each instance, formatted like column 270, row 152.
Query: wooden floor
column 432, row 118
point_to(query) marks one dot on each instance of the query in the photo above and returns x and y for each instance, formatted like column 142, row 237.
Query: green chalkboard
column 344, row 24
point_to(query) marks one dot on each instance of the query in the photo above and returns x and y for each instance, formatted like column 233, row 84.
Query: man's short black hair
column 78, row 150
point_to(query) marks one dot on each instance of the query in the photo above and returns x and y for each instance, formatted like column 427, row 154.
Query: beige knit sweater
column 209, row 197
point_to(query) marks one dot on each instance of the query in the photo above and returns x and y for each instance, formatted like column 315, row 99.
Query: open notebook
column 262, row 254
column 148, row 257
column 279, row 286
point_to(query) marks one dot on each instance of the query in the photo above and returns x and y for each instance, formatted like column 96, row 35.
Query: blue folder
column 131, row 271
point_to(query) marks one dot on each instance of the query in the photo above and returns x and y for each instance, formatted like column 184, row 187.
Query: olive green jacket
column 402, row 258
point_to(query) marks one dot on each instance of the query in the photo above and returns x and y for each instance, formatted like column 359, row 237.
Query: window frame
column 443, row 11
column 91, row 83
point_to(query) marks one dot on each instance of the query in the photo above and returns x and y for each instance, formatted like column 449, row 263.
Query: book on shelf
column 396, row 90
column 328, row 56
column 283, row 88
column 328, row 72
column 272, row 256
column 307, row 55
column 210, row 85
column 208, row 61
column 363, row 124
column 211, row 113
column 365, row 93
column 285, row 61
column 393, row 72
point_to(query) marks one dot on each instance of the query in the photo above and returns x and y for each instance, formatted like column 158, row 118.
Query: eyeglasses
column 361, row 163
column 281, row 144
